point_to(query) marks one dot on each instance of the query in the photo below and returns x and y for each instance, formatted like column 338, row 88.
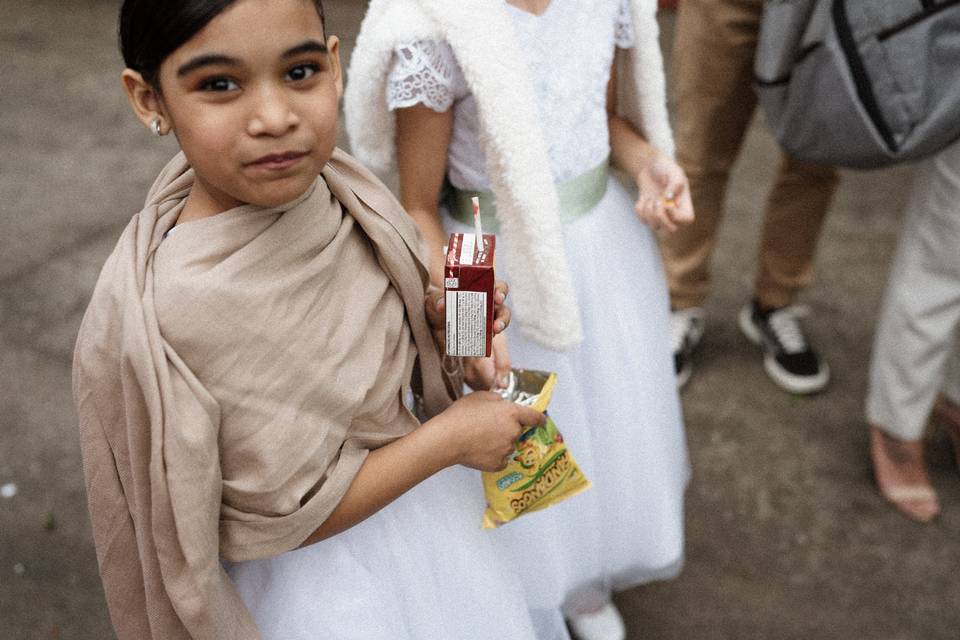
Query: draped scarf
column 230, row 377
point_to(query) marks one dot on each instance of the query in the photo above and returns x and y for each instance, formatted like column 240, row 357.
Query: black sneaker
column 787, row 356
column 686, row 329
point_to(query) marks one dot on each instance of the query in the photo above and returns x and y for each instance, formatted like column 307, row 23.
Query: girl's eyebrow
column 206, row 60
column 308, row 46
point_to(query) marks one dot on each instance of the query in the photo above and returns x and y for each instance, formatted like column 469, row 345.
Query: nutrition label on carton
column 468, row 280
column 466, row 323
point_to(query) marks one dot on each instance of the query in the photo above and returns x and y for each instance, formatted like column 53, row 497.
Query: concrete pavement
column 787, row 537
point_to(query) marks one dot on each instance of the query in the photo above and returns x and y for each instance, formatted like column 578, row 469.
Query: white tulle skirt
column 420, row 568
column 617, row 406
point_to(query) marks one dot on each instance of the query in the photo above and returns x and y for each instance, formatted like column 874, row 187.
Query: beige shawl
column 230, row 380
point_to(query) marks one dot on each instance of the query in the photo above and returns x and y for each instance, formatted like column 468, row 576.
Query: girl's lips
column 278, row 161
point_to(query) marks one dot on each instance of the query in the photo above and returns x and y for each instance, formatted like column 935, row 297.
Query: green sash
column 577, row 195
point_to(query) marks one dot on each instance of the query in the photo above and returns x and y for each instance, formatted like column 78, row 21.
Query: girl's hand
column 492, row 372
column 664, row 201
column 483, row 428
column 435, row 308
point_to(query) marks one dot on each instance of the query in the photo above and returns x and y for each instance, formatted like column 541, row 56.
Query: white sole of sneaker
column 696, row 333
column 800, row 385
column 694, row 336
column 748, row 328
column 684, row 377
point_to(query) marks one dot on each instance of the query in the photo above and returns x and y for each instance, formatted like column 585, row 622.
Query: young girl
column 516, row 101
column 246, row 371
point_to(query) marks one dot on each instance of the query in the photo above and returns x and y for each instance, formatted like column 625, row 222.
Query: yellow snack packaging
column 542, row 471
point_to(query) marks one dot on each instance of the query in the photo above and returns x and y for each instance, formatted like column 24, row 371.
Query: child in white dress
column 488, row 98
column 246, row 371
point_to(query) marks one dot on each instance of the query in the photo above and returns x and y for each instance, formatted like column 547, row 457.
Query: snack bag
column 542, row 472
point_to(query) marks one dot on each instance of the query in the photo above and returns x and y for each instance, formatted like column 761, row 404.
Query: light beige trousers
column 916, row 349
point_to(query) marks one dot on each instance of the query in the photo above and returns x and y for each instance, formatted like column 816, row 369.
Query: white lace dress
column 616, row 401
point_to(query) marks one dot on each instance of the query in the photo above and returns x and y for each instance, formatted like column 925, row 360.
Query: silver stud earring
column 155, row 127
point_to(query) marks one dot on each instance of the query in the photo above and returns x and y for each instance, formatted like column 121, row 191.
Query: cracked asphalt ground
column 787, row 537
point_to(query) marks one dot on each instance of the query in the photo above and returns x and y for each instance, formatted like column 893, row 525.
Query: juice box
column 468, row 285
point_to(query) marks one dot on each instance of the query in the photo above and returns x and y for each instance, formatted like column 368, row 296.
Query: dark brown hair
column 150, row 30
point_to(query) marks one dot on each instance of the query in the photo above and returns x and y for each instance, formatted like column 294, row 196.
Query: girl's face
column 253, row 100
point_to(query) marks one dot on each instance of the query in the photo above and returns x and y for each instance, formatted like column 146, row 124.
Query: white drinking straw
column 476, row 220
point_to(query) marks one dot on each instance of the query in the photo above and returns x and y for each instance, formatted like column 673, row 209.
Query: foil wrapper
column 525, row 386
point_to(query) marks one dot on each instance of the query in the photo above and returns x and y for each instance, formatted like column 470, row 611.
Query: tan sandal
column 917, row 499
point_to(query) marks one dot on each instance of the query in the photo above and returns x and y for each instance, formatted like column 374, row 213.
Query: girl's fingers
column 644, row 210
column 528, row 416
column 665, row 180
column 679, row 187
column 501, row 313
column 648, row 217
column 479, row 374
column 664, row 201
column 678, row 207
column 660, row 216
column 666, row 222
column 674, row 214
column 435, row 311
column 672, row 189
column 501, row 360
column 683, row 213
column 502, row 319
column 500, row 291
column 434, row 297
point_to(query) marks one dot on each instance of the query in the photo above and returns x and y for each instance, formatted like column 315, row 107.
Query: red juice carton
column 468, row 285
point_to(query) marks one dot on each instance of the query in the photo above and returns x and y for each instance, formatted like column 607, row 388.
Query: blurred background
column 787, row 535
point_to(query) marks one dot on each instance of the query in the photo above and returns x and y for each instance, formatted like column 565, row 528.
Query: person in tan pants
column 714, row 101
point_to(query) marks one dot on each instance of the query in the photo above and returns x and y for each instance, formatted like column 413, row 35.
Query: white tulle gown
column 420, row 568
column 616, row 401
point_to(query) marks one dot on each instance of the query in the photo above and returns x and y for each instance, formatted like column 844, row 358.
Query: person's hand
column 435, row 308
column 483, row 428
column 664, row 200
column 489, row 373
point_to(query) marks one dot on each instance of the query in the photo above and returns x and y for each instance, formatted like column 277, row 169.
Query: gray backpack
column 860, row 83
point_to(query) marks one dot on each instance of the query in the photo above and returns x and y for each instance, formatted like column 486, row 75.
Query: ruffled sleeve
column 424, row 72
column 623, row 35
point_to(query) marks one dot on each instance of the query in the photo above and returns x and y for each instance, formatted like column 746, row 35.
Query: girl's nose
column 272, row 114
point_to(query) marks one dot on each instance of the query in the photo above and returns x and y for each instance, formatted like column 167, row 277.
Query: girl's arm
column 477, row 431
column 423, row 137
column 664, row 200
